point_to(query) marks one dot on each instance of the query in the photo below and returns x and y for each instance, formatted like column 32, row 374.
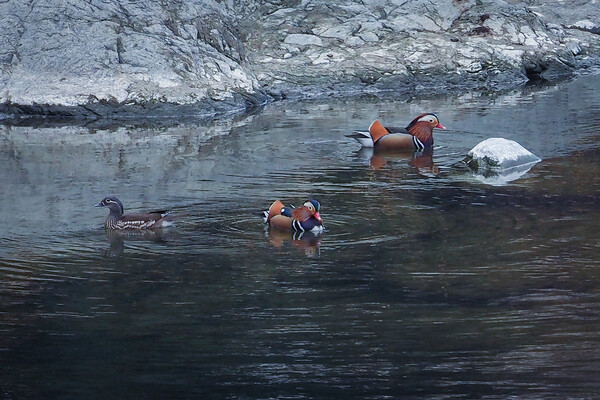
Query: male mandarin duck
column 117, row 220
column 418, row 135
column 301, row 219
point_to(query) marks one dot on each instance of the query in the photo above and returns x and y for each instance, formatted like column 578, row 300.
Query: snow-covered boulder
column 497, row 161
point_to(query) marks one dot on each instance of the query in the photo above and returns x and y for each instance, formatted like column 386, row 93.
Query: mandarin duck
column 418, row 135
column 301, row 219
column 117, row 220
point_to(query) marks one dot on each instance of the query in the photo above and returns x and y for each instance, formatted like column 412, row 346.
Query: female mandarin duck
column 301, row 219
column 117, row 220
column 418, row 135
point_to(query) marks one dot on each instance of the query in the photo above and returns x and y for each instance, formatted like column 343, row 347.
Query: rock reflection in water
column 504, row 176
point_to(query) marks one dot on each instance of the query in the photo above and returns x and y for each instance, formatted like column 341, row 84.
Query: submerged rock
column 497, row 161
column 139, row 55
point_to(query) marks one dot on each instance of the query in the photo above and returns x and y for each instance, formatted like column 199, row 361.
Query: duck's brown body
column 152, row 220
column 418, row 135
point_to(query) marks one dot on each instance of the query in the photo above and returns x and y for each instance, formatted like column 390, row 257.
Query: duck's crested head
column 312, row 204
column 428, row 118
column 310, row 209
column 313, row 207
column 114, row 204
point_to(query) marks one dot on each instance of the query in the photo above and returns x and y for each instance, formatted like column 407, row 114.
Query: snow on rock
column 497, row 161
column 499, row 153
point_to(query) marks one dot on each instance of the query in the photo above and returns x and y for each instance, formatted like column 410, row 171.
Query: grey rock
column 341, row 32
column 354, row 41
column 122, row 57
column 121, row 53
column 300, row 39
column 369, row 37
column 573, row 46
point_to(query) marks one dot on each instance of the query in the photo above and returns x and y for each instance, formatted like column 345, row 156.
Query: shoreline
column 113, row 113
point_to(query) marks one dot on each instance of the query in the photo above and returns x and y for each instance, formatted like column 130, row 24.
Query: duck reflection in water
column 422, row 161
column 117, row 239
column 308, row 242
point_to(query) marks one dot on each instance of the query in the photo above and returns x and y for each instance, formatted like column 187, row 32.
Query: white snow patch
column 585, row 24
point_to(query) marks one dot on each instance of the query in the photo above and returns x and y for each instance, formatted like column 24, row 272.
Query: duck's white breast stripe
column 297, row 225
column 418, row 144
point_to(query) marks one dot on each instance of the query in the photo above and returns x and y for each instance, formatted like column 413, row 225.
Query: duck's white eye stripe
column 427, row 118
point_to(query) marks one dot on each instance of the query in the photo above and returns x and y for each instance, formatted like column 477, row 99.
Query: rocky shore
column 118, row 58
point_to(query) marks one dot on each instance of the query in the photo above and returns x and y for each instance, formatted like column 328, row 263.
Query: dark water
column 426, row 284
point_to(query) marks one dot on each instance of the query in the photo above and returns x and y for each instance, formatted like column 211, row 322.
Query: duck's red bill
column 317, row 216
column 440, row 126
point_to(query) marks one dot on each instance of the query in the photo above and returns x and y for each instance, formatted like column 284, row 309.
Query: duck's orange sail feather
column 275, row 209
column 377, row 130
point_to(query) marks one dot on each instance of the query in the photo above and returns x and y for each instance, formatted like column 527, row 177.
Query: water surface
column 427, row 282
